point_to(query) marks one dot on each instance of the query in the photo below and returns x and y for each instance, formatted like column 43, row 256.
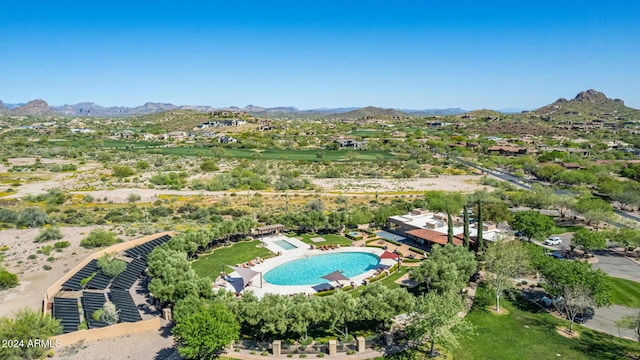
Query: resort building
column 426, row 228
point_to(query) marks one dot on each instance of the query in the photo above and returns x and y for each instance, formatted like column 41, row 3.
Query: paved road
column 526, row 184
column 618, row 266
column 605, row 321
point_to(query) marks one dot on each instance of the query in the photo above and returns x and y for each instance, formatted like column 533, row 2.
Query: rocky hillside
column 588, row 105
column 370, row 112
column 32, row 108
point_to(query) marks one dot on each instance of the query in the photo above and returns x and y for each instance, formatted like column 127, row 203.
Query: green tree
column 435, row 319
column 480, row 227
column 27, row 325
column 172, row 277
column 593, row 209
column 301, row 315
column 533, row 224
column 631, row 322
column 562, row 203
column 340, row 309
column 447, row 268
column 379, row 303
column 443, row 201
column 504, row 261
column 465, row 231
column 48, row 233
column 589, row 240
column 624, row 236
column 576, row 285
column 449, row 229
column 206, row 332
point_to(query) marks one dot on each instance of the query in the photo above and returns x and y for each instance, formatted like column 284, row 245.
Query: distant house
column 503, row 150
column 227, row 140
column 571, row 166
column 351, row 143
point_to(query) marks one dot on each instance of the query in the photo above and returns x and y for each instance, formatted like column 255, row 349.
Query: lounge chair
column 251, row 263
column 333, row 246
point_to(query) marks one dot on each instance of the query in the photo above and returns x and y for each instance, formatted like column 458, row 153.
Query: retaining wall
column 120, row 329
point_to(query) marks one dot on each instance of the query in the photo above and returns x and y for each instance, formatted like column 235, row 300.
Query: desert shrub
column 121, row 171
column 209, row 165
column 110, row 266
column 46, row 250
column 63, row 167
column 61, row 245
column 98, row 238
column 32, row 217
column 48, row 233
column 8, row 280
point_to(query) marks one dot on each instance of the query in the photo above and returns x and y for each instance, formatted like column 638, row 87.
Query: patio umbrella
column 246, row 274
column 335, row 276
column 390, row 255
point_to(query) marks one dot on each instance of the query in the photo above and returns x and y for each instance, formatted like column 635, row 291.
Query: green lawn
column 626, row 292
column 527, row 332
column 389, row 281
column 210, row 265
column 279, row 154
column 329, row 239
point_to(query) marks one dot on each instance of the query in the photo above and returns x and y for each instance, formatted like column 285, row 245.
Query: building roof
column 435, row 236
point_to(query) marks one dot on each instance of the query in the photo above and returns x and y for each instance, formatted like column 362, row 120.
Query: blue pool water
column 285, row 244
column 308, row 271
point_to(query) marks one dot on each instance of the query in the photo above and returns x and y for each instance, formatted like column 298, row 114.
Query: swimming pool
column 285, row 244
column 308, row 271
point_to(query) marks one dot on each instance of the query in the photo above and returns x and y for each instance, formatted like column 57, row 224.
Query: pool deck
column 303, row 250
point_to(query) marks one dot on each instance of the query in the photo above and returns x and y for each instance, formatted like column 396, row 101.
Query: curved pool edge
column 301, row 252
column 308, row 270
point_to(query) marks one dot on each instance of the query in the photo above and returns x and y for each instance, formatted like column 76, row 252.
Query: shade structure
column 389, row 255
column 335, row 276
column 246, row 274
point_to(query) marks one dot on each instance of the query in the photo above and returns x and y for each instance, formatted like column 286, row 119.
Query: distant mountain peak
column 595, row 97
column 587, row 103
column 33, row 107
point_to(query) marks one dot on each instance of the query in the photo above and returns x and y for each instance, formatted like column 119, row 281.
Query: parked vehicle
column 553, row 241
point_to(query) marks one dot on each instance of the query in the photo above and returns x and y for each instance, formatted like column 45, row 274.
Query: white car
column 554, row 240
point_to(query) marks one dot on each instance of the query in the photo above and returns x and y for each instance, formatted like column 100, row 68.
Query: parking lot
column 615, row 265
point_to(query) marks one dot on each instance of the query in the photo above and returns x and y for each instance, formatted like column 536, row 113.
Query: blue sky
column 309, row 54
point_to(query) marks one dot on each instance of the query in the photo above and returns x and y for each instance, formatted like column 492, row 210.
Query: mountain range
column 40, row 107
column 586, row 103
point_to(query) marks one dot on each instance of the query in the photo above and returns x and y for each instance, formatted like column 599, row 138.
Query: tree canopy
column 532, row 224
column 435, row 319
column 576, row 285
column 447, row 268
column 204, row 332
column 27, row 325
column 505, row 261
column 589, row 240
